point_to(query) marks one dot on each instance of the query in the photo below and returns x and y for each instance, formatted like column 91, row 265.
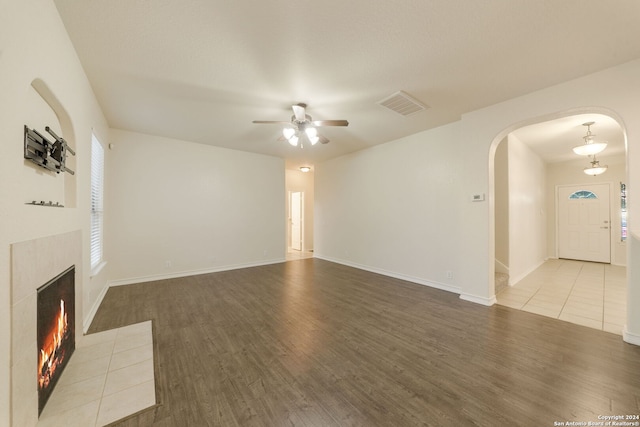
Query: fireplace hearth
column 55, row 331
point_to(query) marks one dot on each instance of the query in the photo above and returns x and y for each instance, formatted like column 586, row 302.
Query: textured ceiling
column 554, row 140
column 202, row 70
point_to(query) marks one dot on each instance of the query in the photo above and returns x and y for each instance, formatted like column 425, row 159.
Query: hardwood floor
column 313, row 343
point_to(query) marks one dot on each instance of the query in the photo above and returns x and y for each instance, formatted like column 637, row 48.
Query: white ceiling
column 202, row 70
column 554, row 140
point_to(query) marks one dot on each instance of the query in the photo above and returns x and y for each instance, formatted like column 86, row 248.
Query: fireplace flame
column 51, row 355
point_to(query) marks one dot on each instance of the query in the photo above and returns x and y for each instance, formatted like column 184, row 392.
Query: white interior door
column 296, row 220
column 584, row 223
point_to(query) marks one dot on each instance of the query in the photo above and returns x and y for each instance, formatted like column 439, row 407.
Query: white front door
column 584, row 223
column 296, row 220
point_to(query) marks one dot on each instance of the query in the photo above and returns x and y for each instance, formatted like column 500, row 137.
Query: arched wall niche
column 69, row 184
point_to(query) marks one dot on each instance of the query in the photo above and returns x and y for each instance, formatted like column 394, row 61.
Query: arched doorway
column 528, row 163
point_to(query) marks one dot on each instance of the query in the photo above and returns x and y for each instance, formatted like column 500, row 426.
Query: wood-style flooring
column 313, row 343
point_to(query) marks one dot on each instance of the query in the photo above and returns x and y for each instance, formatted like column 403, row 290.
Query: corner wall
column 175, row 208
column 614, row 92
column 35, row 48
column 527, row 210
column 395, row 208
column 404, row 208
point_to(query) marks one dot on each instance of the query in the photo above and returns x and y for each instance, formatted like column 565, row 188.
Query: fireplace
column 55, row 331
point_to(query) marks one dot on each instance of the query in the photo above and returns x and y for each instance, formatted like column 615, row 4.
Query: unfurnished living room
column 297, row 213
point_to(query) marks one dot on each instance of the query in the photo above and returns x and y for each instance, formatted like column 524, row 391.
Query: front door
column 584, row 223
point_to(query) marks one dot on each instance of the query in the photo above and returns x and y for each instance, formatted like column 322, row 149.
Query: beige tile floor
column 293, row 255
column 109, row 376
column 586, row 293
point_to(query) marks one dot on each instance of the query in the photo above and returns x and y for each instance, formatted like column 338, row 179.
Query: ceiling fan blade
column 269, row 122
column 323, row 140
column 330, row 123
column 299, row 113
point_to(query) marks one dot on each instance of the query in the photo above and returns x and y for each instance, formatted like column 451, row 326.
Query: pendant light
column 590, row 147
column 291, row 135
column 595, row 168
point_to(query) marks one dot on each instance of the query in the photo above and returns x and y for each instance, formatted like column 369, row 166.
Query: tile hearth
column 109, row 376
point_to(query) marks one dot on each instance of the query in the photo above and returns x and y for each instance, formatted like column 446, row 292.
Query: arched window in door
column 583, row 194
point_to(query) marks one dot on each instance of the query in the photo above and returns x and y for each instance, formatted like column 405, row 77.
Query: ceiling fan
column 302, row 124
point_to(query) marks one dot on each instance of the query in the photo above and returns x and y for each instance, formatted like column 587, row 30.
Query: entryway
column 585, row 293
column 299, row 186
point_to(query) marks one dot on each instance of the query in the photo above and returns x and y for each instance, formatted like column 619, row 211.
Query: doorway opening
column 563, row 254
column 299, row 213
column 296, row 220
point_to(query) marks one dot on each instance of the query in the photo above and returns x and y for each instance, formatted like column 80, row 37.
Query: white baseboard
column 431, row 284
column 94, row 309
column 479, row 300
column 630, row 338
column 174, row 275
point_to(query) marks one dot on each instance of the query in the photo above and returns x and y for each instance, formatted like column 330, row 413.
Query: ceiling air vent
column 403, row 104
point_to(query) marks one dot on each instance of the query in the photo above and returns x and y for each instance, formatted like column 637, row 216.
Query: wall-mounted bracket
column 44, row 153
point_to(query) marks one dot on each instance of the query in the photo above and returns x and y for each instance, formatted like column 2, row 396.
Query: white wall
column 614, row 92
column 502, row 207
column 297, row 180
column 34, row 48
column 372, row 208
column 395, row 208
column 175, row 207
column 527, row 210
column 571, row 173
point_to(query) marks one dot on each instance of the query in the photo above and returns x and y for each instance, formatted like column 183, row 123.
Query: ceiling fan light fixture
column 312, row 135
column 595, row 168
column 288, row 133
column 303, row 125
column 311, row 132
column 589, row 148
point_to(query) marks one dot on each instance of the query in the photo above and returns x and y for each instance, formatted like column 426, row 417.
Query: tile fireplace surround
column 34, row 263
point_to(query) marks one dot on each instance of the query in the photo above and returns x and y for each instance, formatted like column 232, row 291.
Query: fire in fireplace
column 56, row 331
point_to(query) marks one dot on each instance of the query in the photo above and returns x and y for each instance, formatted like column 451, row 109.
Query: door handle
column 604, row 227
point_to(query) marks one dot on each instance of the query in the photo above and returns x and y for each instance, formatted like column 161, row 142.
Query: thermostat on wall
column 477, row 197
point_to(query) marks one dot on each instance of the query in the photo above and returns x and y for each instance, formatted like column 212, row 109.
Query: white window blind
column 97, row 184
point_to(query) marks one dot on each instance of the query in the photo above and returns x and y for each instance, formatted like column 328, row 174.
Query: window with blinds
column 97, row 205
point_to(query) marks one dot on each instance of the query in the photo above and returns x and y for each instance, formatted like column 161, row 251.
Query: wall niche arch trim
column 66, row 125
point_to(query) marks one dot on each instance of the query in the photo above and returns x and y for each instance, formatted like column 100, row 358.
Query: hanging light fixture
column 595, row 168
column 291, row 135
column 312, row 135
column 590, row 147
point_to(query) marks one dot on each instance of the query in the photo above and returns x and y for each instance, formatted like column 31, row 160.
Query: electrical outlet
column 167, row 264
column 449, row 274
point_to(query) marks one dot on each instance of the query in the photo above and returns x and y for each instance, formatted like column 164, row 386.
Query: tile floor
column 586, row 293
column 109, row 376
column 293, row 255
